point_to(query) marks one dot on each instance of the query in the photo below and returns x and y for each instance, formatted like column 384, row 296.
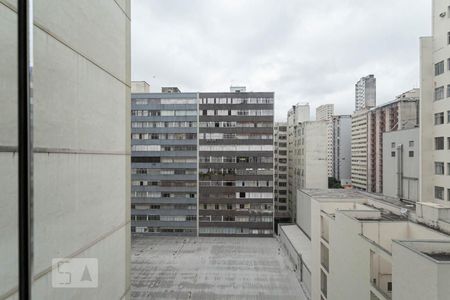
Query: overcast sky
column 303, row 50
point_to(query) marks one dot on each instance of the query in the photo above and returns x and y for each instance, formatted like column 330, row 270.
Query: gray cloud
column 303, row 50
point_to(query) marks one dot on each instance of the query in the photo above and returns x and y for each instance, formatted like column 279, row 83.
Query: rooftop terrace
column 211, row 268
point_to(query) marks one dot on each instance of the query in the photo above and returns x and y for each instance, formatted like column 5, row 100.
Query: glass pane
column 8, row 151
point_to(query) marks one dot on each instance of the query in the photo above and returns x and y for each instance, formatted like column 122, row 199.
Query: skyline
column 281, row 54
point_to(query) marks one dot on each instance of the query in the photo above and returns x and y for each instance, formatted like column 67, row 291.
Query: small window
column 411, row 143
column 389, row 286
column 393, row 153
column 448, row 90
column 439, row 93
column 439, row 168
column 439, row 68
column 411, row 153
column 439, row 118
column 392, row 145
column 439, row 143
column 448, row 116
column 448, row 38
column 439, row 192
column 448, row 170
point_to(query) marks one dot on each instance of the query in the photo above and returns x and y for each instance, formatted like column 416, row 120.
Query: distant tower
column 366, row 93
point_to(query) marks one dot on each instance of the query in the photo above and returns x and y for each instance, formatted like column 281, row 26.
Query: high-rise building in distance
column 366, row 93
column 325, row 113
column 342, row 148
column 401, row 113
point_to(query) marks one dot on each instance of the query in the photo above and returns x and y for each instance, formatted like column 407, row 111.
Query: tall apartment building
column 359, row 150
column 164, row 163
column 280, row 171
column 435, row 108
column 342, row 148
column 80, row 128
column 325, row 113
column 402, row 113
column 236, row 164
column 349, row 244
column 298, row 113
column 309, row 161
column 365, row 93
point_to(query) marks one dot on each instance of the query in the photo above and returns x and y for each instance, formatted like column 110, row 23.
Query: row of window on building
column 234, row 171
column 236, row 159
column 234, row 230
column 164, row 101
column 144, row 206
column 149, row 194
column 164, row 183
column 146, row 171
column 236, row 101
column 230, row 136
column 206, row 218
column 145, row 229
column 236, row 148
column 164, row 136
column 140, row 148
column 235, row 124
column 163, row 218
column 240, row 112
column 238, row 183
column 162, row 113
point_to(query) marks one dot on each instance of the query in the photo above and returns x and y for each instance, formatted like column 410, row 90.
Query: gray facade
column 236, row 164
column 280, row 170
column 342, row 148
column 164, row 147
column 366, row 93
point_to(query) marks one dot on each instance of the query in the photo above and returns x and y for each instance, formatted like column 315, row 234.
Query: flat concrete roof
column 299, row 241
column 211, row 268
column 347, row 194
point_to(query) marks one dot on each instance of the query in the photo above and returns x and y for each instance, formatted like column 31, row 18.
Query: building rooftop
column 300, row 242
column 211, row 268
column 337, row 194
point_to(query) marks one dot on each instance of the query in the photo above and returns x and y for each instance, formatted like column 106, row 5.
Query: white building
column 342, row 148
column 366, row 93
column 81, row 116
column 352, row 245
column 435, row 109
column 309, row 163
column 298, row 113
column 401, row 164
column 325, row 113
column 359, row 150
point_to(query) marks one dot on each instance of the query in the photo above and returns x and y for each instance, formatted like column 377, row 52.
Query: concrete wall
column 315, row 157
column 349, row 261
column 81, row 138
column 401, row 169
